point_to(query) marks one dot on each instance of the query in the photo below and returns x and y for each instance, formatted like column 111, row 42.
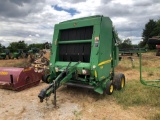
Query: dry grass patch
column 136, row 94
column 14, row 63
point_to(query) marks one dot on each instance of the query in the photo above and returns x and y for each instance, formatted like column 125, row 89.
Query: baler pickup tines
column 62, row 78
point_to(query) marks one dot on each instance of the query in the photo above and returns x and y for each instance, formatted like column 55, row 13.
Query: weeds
column 77, row 115
column 137, row 94
column 14, row 63
column 155, row 117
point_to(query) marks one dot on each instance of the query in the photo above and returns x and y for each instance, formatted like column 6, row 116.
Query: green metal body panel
column 18, row 53
column 34, row 50
column 103, row 54
column 4, row 53
column 132, row 51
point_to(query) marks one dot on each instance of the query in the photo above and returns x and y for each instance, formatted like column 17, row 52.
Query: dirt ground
column 72, row 104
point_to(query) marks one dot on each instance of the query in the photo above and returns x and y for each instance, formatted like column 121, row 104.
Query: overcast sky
column 33, row 20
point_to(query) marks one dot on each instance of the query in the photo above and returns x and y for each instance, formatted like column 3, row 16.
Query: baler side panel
column 105, row 54
column 53, row 56
column 95, row 50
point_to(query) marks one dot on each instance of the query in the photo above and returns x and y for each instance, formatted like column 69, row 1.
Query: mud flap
column 98, row 90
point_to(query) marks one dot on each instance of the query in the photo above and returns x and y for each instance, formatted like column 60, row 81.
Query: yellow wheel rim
column 48, row 79
column 122, row 82
column 111, row 88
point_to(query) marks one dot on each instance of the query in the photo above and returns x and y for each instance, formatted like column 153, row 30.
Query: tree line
column 151, row 28
column 14, row 46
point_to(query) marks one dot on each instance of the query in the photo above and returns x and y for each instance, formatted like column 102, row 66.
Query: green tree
column 2, row 47
column 118, row 40
column 156, row 31
column 17, row 45
column 37, row 45
column 127, row 43
column 141, row 44
column 149, row 32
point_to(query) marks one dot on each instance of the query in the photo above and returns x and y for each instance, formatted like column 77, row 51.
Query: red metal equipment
column 155, row 41
column 19, row 78
column 158, row 50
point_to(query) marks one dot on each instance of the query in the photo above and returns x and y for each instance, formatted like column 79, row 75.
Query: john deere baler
column 84, row 54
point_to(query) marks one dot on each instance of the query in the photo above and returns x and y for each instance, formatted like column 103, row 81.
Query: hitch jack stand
column 54, row 102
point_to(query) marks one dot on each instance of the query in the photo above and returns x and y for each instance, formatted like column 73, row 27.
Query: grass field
column 135, row 102
column 136, row 94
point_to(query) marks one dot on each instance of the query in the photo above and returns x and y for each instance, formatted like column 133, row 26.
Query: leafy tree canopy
column 37, row 45
column 152, row 28
column 127, row 43
column 14, row 46
column 17, row 45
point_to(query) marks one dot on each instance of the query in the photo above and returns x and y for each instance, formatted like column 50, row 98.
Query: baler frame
column 151, row 83
column 155, row 40
column 92, row 41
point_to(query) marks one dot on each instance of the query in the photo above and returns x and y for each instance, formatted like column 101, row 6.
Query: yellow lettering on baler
column 3, row 73
column 102, row 77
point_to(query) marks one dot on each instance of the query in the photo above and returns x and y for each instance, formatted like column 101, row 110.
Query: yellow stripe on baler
column 95, row 73
column 104, row 62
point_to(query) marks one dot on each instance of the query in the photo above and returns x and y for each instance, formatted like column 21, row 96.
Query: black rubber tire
column 45, row 78
column 109, row 88
column 158, row 53
column 119, row 81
